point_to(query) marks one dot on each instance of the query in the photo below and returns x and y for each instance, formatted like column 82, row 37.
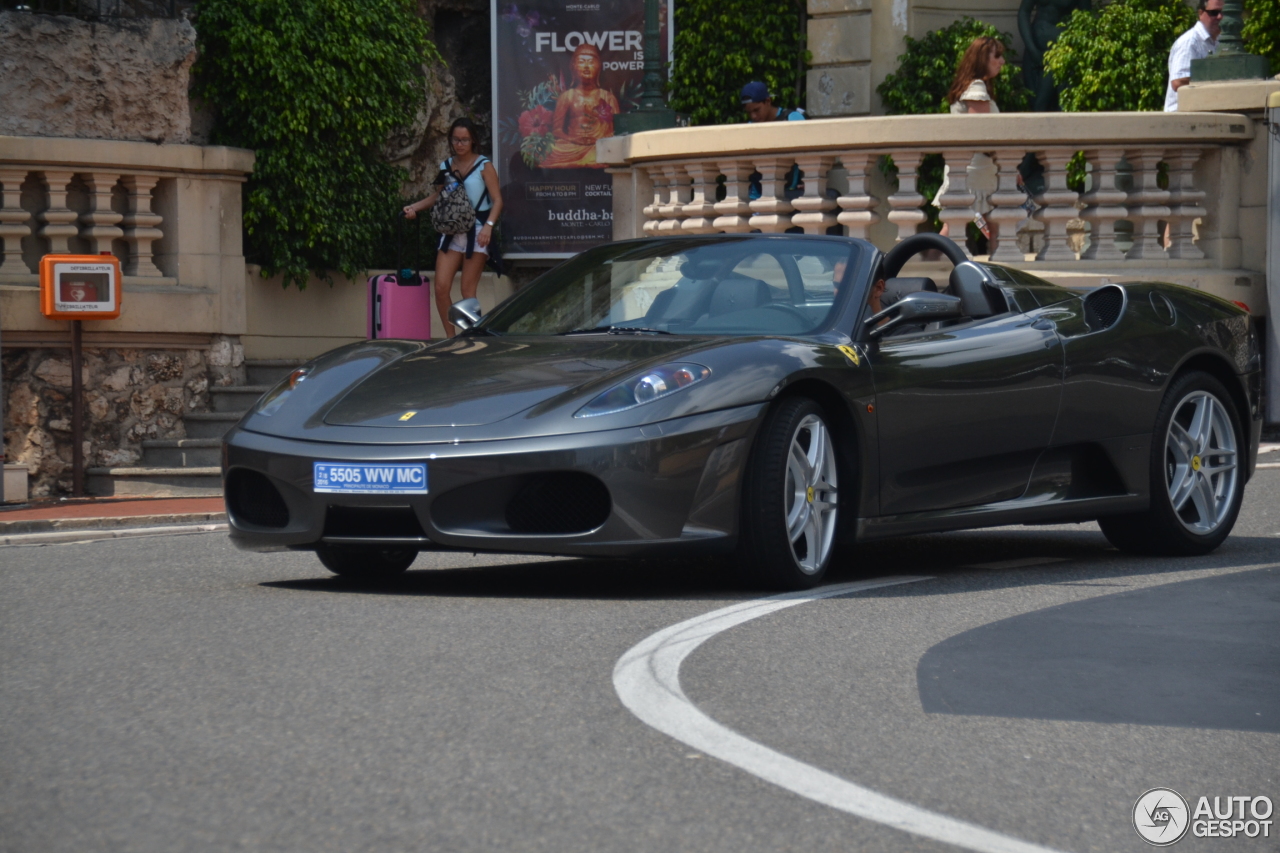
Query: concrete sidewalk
column 68, row 520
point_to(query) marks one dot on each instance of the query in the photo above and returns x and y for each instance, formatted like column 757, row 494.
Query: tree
column 314, row 87
column 1117, row 58
column 720, row 47
column 928, row 66
column 1261, row 32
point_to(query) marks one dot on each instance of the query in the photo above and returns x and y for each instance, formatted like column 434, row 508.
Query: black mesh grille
column 372, row 522
column 1102, row 307
column 253, row 499
column 559, row 502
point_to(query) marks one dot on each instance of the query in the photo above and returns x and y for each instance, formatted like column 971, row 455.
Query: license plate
column 371, row 478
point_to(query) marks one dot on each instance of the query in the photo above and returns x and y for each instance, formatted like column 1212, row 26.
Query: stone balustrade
column 1144, row 169
column 170, row 213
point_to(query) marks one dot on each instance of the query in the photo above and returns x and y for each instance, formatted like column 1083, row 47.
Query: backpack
column 452, row 213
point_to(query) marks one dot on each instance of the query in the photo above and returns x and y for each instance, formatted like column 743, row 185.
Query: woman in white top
column 969, row 93
column 468, row 251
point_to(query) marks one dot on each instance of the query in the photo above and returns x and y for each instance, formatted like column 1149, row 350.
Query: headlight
column 274, row 399
column 654, row 385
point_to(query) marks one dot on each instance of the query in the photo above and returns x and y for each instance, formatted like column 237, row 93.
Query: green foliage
column 720, row 47
column 1261, row 31
column 929, row 65
column 1117, row 58
column 314, row 87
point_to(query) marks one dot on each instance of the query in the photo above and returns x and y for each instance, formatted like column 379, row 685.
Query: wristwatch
column 491, row 223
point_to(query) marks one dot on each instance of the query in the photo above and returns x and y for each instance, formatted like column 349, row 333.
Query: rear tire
column 366, row 562
column 1196, row 478
column 790, row 498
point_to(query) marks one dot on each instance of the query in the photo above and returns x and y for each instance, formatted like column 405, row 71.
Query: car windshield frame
column 783, row 300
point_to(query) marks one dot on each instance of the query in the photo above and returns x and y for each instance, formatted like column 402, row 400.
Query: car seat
column 738, row 293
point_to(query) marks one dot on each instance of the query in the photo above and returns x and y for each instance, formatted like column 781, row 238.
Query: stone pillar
column 1105, row 205
column 856, row 213
column 1058, row 203
column 652, row 212
column 771, row 212
column 839, row 39
column 1008, row 211
column 701, row 208
column 677, row 181
column 13, row 221
column 815, row 215
column 100, row 222
column 732, row 211
column 956, row 204
column 1184, row 204
column 906, row 202
column 1146, row 205
column 140, row 223
column 58, row 228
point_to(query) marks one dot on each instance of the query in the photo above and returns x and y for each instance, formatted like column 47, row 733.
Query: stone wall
column 130, row 395
column 125, row 79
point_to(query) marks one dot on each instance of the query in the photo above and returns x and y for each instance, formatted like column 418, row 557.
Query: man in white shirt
column 1196, row 43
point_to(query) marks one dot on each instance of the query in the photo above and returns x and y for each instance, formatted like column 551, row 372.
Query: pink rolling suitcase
column 400, row 302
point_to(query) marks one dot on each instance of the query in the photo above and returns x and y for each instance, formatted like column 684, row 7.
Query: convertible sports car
column 769, row 395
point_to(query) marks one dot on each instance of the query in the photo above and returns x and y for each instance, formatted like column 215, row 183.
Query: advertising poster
column 561, row 72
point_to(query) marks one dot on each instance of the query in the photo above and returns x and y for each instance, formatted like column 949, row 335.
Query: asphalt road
column 174, row 694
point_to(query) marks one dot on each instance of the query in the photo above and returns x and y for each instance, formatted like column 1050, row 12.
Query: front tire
column 1196, row 481
column 790, row 499
column 366, row 562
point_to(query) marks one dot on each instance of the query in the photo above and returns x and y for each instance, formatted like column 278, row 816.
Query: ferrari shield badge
column 851, row 353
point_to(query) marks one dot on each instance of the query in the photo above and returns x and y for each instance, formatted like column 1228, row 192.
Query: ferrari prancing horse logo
column 851, row 353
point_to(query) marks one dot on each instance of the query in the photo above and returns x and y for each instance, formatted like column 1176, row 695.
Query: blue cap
column 755, row 92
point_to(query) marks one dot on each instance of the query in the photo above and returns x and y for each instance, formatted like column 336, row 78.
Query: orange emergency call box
column 80, row 287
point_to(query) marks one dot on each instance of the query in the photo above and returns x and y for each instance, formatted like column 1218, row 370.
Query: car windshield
column 732, row 286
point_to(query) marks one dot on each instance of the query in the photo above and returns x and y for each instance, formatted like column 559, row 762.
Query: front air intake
column 1103, row 307
column 370, row 522
column 253, row 499
column 558, row 502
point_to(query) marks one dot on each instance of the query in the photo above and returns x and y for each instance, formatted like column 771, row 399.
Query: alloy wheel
column 810, row 497
column 1201, row 462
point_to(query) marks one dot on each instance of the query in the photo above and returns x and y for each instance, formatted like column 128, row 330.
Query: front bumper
column 673, row 486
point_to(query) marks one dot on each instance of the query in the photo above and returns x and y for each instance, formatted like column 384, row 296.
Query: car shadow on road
column 998, row 558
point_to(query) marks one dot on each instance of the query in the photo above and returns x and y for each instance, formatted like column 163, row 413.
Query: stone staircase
column 191, row 466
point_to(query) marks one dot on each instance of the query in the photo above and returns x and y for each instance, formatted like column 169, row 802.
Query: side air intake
column 1103, row 307
column 253, row 499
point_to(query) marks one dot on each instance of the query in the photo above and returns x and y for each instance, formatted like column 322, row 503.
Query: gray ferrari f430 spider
column 764, row 395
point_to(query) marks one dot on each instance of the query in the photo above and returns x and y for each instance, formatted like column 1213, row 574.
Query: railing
column 124, row 198
column 171, row 213
column 696, row 181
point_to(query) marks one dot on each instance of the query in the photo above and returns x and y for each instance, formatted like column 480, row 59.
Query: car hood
column 474, row 380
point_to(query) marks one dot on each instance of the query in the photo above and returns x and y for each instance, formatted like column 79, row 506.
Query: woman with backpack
column 464, row 210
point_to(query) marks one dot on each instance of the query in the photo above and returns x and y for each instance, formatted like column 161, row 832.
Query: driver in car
column 837, row 275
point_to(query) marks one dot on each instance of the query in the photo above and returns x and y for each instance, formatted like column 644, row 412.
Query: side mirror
column 465, row 313
column 922, row 306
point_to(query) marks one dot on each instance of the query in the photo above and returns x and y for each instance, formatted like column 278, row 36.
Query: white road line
column 647, row 679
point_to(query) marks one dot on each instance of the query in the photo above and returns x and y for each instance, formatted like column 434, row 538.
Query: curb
column 90, row 535
column 50, row 525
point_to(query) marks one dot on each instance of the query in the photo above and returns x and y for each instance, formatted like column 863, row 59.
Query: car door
column 963, row 412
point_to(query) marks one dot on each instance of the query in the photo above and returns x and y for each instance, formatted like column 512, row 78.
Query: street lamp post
column 1230, row 62
column 654, row 114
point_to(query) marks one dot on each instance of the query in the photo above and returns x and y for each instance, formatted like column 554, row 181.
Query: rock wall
column 130, row 395
column 124, row 79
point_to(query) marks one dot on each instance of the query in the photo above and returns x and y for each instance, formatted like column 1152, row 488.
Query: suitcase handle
column 405, row 276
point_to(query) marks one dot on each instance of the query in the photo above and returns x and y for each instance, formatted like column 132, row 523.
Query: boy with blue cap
column 758, row 103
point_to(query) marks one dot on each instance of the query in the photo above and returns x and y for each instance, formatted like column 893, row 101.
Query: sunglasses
column 1213, row 13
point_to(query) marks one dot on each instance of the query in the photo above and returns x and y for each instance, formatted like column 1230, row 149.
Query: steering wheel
column 788, row 309
column 897, row 257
